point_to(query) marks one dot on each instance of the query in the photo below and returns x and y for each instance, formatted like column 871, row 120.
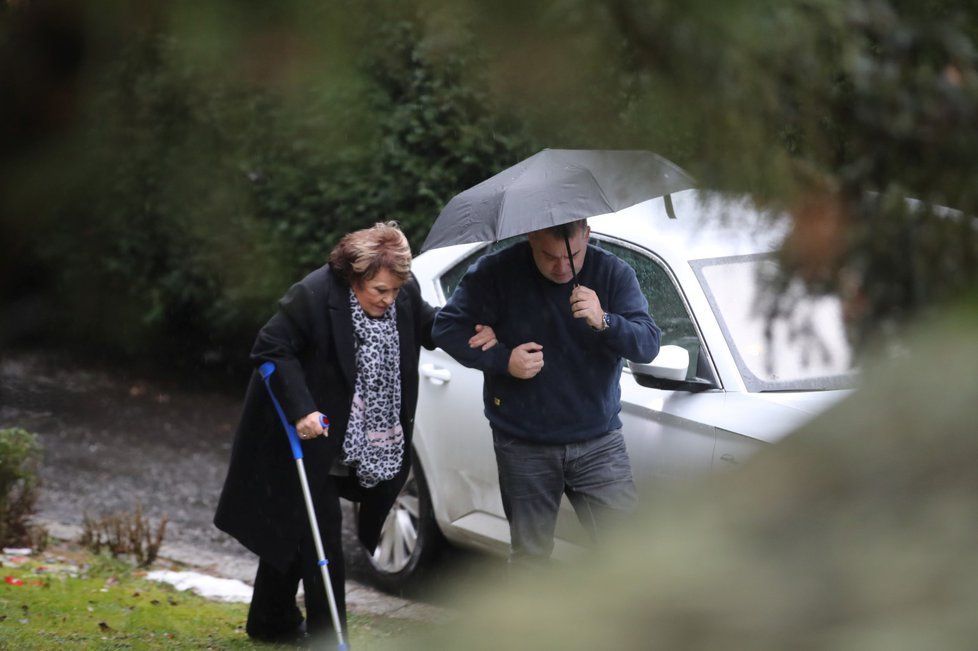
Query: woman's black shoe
column 297, row 636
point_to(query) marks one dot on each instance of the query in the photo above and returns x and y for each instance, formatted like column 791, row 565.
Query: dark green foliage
column 20, row 459
column 160, row 242
column 168, row 170
column 438, row 134
column 192, row 196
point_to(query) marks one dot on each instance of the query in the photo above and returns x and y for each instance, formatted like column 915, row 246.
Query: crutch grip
column 266, row 370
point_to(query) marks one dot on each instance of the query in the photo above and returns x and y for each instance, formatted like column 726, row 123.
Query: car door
column 456, row 437
column 669, row 433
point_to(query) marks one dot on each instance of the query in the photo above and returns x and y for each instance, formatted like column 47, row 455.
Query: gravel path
column 113, row 440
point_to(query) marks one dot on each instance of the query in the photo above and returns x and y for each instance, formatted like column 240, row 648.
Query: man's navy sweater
column 576, row 396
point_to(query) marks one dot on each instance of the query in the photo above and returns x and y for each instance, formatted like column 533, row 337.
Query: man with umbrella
column 565, row 314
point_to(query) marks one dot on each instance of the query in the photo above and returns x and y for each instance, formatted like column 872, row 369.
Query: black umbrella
column 553, row 187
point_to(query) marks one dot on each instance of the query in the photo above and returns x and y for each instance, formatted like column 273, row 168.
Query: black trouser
column 273, row 610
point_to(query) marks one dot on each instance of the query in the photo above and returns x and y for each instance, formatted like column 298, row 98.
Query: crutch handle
column 266, row 370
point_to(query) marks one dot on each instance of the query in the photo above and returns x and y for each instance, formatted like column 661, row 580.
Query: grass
column 94, row 602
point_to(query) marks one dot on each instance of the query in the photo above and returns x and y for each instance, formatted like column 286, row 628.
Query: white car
column 719, row 389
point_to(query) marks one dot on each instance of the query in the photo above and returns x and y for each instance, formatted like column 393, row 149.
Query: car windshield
column 782, row 341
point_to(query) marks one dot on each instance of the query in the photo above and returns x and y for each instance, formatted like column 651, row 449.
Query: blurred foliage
column 856, row 532
column 200, row 178
column 832, row 110
column 169, row 168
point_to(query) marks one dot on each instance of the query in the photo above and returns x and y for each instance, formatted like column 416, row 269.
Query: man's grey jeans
column 595, row 474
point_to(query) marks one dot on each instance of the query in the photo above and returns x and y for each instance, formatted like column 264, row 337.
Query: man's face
column 550, row 254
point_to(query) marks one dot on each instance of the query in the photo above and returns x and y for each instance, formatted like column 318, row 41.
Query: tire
column 410, row 541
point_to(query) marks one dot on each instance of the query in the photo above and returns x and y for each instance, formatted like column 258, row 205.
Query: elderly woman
column 345, row 341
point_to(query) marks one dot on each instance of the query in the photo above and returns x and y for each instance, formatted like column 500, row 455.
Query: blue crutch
column 266, row 371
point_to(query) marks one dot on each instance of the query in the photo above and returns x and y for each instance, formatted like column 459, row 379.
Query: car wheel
column 409, row 540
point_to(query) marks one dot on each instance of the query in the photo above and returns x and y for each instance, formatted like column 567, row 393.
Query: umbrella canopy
column 553, row 187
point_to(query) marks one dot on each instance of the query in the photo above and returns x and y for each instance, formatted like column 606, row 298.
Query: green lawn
column 96, row 603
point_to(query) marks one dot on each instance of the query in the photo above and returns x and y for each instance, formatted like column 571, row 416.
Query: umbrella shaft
column 570, row 258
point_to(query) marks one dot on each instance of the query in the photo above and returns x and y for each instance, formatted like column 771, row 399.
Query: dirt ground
column 113, row 438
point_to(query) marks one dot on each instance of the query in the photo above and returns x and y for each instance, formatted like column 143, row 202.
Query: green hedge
column 198, row 199
column 20, row 460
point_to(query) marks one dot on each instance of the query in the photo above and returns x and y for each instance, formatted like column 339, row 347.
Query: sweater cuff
column 497, row 359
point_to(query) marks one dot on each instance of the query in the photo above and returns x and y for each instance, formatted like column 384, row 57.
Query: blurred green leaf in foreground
column 857, row 532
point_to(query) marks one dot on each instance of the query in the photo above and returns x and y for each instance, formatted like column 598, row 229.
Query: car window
column 666, row 306
column 451, row 278
column 801, row 346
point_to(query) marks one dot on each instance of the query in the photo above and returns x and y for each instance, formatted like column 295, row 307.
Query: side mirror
column 667, row 371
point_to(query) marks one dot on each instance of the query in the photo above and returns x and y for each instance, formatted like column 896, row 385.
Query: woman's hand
column 310, row 426
column 483, row 338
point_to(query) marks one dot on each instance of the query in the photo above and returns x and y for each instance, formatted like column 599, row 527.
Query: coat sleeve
column 632, row 334
column 280, row 341
column 471, row 303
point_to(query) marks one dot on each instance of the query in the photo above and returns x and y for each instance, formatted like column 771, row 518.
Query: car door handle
column 436, row 374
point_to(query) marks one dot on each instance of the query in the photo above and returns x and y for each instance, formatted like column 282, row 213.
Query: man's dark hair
column 567, row 230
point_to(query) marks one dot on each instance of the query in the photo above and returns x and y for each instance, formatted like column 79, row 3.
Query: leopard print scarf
column 374, row 443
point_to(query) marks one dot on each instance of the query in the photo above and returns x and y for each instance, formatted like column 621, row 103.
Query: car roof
column 699, row 225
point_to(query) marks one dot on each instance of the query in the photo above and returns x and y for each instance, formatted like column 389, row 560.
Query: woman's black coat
column 310, row 340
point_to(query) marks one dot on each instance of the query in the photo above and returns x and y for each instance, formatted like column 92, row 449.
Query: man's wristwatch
column 605, row 321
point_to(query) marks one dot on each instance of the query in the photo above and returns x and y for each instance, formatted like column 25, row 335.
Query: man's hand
column 585, row 305
column 526, row 360
column 484, row 337
column 309, row 426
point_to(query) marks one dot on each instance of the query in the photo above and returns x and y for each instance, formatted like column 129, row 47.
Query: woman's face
column 376, row 295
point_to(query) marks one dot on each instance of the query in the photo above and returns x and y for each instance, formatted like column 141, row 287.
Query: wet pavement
column 113, row 439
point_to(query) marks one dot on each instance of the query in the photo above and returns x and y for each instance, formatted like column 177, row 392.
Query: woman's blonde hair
column 361, row 254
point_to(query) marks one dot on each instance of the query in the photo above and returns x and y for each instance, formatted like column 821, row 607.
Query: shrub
column 124, row 534
column 20, row 458
column 197, row 199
